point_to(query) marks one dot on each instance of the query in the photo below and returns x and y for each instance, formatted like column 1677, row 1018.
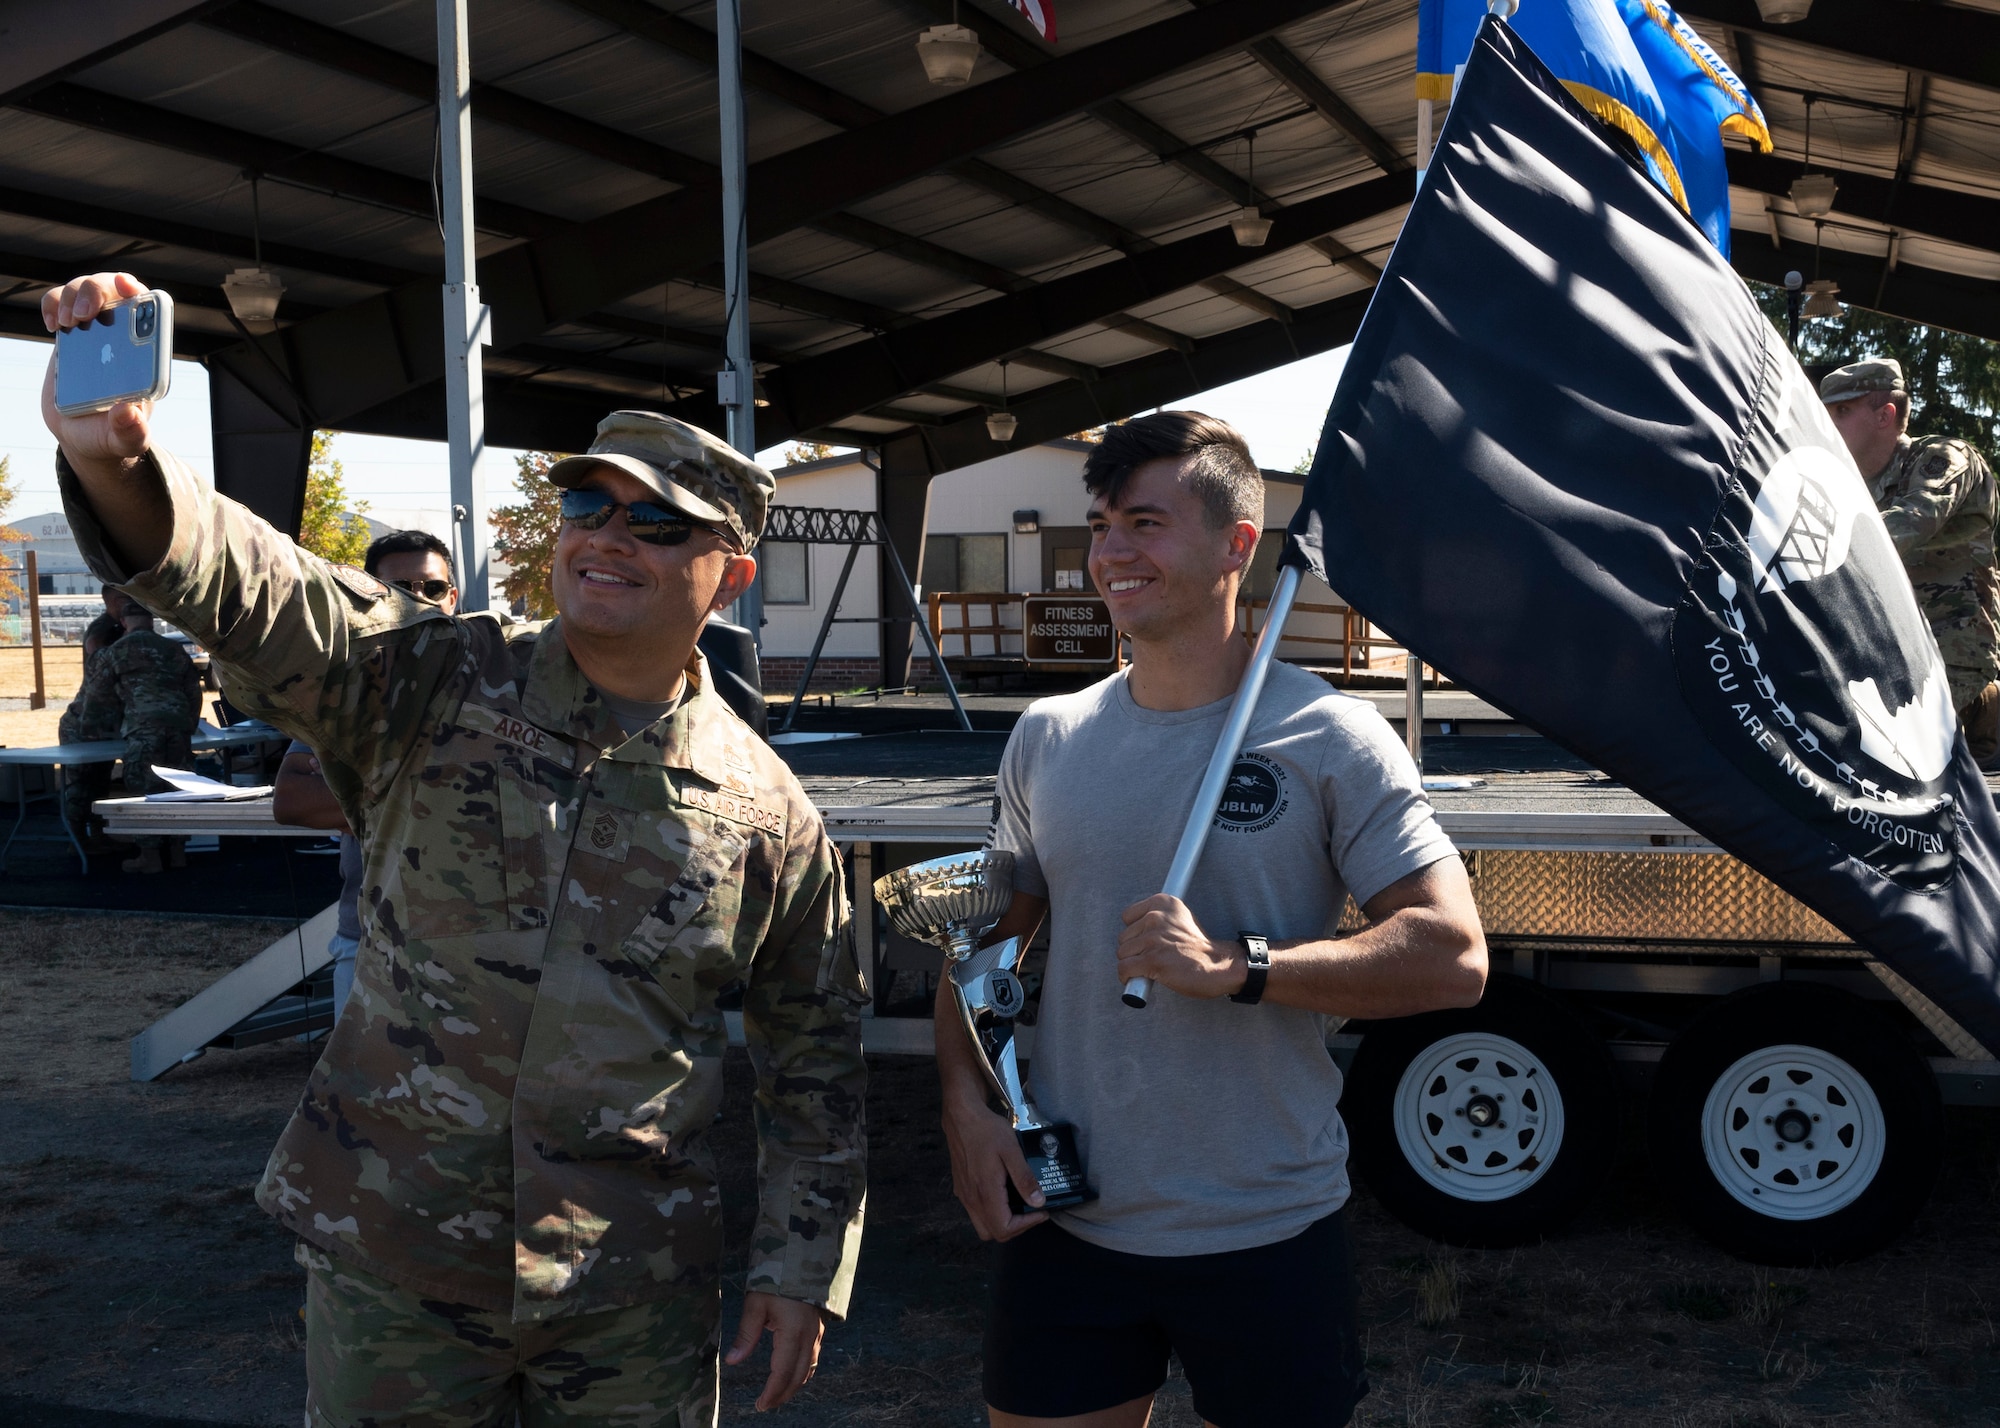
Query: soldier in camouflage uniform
column 1937, row 496
column 145, row 687
column 84, row 784
column 500, row 1170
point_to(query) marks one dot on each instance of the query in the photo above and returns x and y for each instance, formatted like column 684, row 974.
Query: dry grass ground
column 136, row 1275
column 62, row 676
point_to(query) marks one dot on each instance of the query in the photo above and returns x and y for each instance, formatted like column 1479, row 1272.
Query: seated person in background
column 151, row 683
column 84, row 784
column 109, row 625
column 418, row 562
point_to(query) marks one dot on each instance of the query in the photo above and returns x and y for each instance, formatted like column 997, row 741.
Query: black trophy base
column 1053, row 1161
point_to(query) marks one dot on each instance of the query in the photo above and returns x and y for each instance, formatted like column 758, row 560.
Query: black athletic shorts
column 1266, row 1335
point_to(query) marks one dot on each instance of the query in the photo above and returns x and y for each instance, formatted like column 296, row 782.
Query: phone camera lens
column 146, row 319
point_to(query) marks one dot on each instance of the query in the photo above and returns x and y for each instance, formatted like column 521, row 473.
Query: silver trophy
column 951, row 903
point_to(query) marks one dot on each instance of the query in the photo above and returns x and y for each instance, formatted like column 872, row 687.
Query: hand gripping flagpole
column 1227, row 747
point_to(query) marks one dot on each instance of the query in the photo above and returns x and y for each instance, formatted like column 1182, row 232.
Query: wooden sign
column 1067, row 629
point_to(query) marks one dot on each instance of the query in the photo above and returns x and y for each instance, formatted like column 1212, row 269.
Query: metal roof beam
column 49, row 42
column 1946, row 213
column 153, row 229
column 337, row 50
column 1156, row 380
column 1944, row 41
column 1300, row 78
column 1926, row 295
column 363, row 356
column 1019, row 52
column 829, row 387
column 272, row 158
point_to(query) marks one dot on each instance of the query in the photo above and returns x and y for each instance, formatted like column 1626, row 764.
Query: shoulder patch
column 359, row 582
column 737, row 808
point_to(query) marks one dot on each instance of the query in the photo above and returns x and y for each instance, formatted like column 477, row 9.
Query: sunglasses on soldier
column 432, row 590
column 589, row 510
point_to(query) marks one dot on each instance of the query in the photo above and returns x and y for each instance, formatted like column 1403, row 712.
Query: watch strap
column 1259, row 952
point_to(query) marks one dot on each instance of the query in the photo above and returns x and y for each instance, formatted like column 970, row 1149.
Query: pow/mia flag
column 1570, row 464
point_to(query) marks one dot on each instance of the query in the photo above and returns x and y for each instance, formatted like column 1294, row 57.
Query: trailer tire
column 1794, row 1126
column 1422, row 1088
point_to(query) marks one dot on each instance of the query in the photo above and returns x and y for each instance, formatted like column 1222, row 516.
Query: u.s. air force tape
column 737, row 810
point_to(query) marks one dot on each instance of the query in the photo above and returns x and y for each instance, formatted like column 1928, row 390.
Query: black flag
column 1571, row 465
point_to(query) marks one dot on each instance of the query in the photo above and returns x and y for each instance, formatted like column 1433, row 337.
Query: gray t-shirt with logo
column 1204, row 1126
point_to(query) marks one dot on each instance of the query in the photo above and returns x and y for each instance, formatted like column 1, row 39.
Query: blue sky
column 407, row 482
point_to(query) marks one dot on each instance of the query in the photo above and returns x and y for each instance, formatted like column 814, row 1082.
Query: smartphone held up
column 124, row 354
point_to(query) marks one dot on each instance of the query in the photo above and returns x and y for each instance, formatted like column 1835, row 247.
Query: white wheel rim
column 1793, row 1132
column 1479, row 1117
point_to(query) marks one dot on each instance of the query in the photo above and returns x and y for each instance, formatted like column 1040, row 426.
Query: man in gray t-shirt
column 1206, row 1121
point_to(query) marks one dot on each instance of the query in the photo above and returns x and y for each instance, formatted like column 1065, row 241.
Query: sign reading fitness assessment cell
column 1067, row 629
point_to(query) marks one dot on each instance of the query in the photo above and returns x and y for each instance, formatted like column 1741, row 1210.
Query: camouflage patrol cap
column 1870, row 374
column 689, row 469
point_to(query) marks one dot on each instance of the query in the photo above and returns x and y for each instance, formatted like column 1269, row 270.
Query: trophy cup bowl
column 951, row 903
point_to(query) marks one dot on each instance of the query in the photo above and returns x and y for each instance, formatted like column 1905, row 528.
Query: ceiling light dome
column 948, row 53
column 1821, row 300
column 1812, row 194
column 1783, row 12
column 253, row 294
column 1000, row 426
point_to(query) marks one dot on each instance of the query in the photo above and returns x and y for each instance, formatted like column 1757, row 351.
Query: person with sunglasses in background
column 420, row 563
column 499, row 1171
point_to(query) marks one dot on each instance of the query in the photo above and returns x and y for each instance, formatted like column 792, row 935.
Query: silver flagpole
column 1227, row 747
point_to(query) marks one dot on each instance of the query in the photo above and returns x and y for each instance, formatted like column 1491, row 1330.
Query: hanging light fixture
column 1812, row 194
column 254, row 292
column 1249, row 225
column 1000, row 425
column 1822, row 299
column 1820, row 292
column 1783, row 12
column 948, row 52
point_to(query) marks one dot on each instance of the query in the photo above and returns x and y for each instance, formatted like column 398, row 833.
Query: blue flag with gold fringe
column 1636, row 66
column 1570, row 464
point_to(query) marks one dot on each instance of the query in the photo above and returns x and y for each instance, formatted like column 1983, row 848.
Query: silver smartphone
column 124, row 354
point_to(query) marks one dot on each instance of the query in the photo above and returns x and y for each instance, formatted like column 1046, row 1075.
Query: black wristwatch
column 1260, row 969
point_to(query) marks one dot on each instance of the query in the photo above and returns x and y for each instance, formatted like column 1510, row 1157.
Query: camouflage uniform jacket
column 513, row 1110
column 1937, row 498
column 107, row 629
column 144, row 683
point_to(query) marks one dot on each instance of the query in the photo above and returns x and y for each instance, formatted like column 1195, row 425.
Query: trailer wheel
column 1485, row 1126
column 1794, row 1126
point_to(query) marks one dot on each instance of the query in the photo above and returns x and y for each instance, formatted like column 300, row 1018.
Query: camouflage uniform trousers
column 1979, row 717
column 379, row 1355
column 146, row 746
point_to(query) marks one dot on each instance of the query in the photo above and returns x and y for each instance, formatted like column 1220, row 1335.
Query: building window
column 976, row 564
column 783, row 563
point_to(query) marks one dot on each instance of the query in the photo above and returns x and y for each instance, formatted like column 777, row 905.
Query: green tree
column 1305, row 463
column 1954, row 379
column 329, row 529
column 801, row 452
column 525, row 534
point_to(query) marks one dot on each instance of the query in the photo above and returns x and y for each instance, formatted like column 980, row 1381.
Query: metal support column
column 738, row 385
column 1413, row 708
column 468, row 323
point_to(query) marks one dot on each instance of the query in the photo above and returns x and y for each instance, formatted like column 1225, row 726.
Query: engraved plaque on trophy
column 951, row 903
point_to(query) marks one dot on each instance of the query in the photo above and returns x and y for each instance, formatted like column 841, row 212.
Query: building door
column 1065, row 549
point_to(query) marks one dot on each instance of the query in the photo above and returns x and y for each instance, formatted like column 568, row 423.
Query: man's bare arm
column 301, row 798
column 106, row 449
column 1423, row 951
column 984, row 1152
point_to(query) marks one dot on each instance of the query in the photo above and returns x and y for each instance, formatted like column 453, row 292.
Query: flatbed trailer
column 1791, row 1085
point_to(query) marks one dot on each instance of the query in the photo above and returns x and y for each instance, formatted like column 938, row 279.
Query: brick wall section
column 781, row 673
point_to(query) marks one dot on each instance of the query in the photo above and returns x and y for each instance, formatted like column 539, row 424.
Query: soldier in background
column 84, row 784
column 1937, row 497
column 499, row 1171
column 146, row 686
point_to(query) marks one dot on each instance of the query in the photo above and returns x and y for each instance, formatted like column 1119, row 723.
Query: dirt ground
column 62, row 674
column 137, row 1277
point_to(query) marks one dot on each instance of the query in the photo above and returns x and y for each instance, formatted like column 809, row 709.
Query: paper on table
column 194, row 788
